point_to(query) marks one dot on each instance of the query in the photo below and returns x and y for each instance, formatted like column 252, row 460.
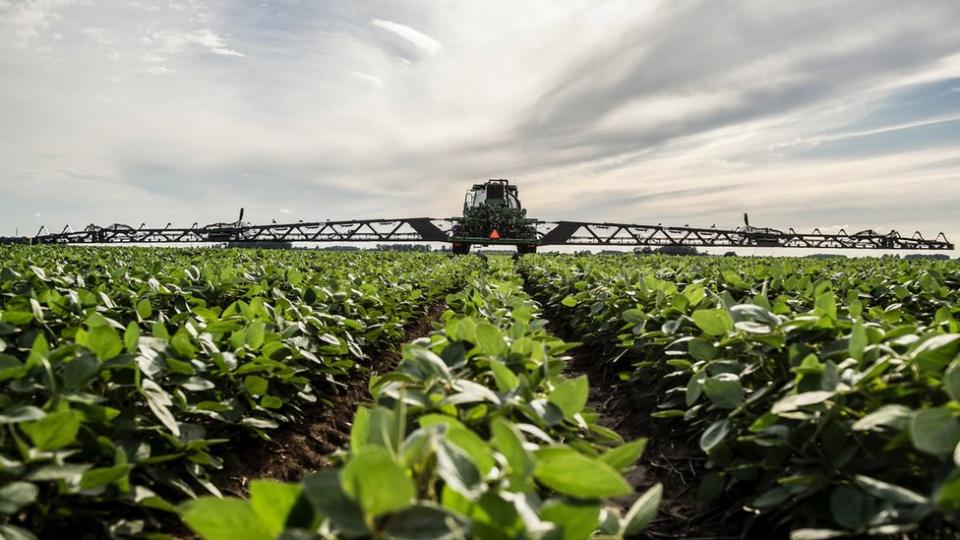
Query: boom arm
column 624, row 234
column 548, row 234
column 369, row 230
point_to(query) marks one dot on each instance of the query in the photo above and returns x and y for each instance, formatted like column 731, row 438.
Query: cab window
column 475, row 198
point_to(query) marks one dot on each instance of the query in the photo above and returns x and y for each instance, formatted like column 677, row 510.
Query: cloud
column 416, row 37
column 25, row 21
column 284, row 210
column 372, row 79
column 173, row 42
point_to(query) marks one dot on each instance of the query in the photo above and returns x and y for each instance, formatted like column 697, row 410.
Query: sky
column 830, row 114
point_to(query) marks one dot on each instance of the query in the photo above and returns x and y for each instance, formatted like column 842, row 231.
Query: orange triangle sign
column 495, row 235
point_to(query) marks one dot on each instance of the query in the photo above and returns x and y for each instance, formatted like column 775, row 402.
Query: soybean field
column 297, row 394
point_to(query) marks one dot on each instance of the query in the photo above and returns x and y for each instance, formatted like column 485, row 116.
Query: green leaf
column 80, row 371
column 668, row 413
column 370, row 469
column 851, row 508
column 805, row 399
column 702, row 349
column 714, row 322
column 714, row 435
column 255, row 334
column 634, row 316
column 16, row 495
column 855, row 309
column 569, row 301
column 724, row 390
column 11, row 532
column 182, row 343
column 890, row 416
column 889, row 492
column 570, row 396
column 577, row 520
column 509, row 441
column 734, row 279
column 24, row 413
column 70, row 473
column 489, row 339
column 131, row 337
column 104, row 342
column 458, row 470
column 271, row 402
column 817, row 534
column 571, row 473
column 695, row 293
column 858, row 341
column 643, row 511
column 710, row 488
column 470, row 392
column 360, row 430
column 466, row 439
column 948, row 493
column 624, row 456
column 53, row 431
column 294, row 276
column 505, row 378
column 695, row 387
column 934, row 353
column 144, row 309
column 255, row 385
column 935, row 431
column 224, row 519
column 951, row 380
column 771, row 498
column 826, row 305
column 425, row 522
column 39, row 272
column 17, row 318
column 325, row 493
column 159, row 402
column 384, row 428
column 272, row 502
column 103, row 476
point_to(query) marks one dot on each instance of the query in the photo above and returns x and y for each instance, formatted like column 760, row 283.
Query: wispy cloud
column 159, row 70
column 27, row 20
column 172, row 42
column 372, row 79
column 416, row 37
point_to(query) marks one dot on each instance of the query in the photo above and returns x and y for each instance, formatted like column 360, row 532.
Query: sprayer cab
column 494, row 193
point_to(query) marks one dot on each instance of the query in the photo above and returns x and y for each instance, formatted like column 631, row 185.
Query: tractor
column 492, row 214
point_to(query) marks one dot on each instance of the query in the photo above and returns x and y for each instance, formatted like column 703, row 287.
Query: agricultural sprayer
column 492, row 215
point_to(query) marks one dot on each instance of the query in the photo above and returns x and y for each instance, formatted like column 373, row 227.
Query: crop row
column 476, row 434
column 825, row 394
column 127, row 375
